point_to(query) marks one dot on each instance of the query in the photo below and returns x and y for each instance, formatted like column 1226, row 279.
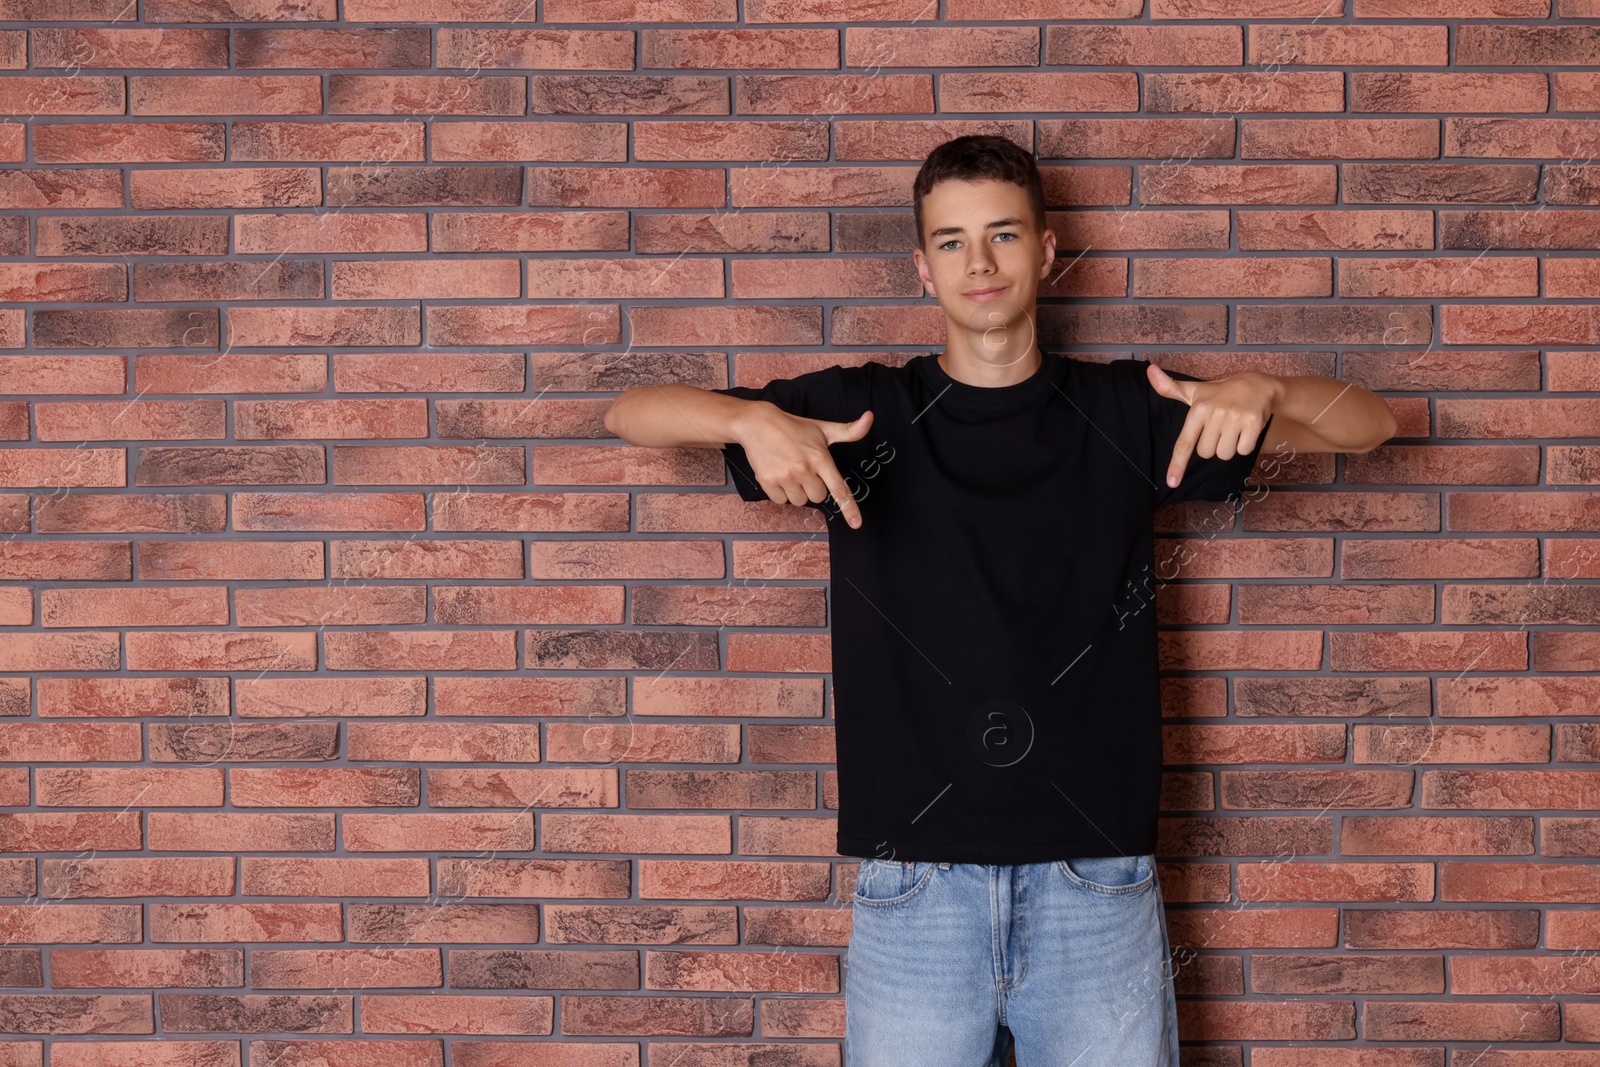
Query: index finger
column 1183, row 449
column 842, row 496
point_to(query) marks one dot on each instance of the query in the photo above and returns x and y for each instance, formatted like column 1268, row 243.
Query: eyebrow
column 1008, row 221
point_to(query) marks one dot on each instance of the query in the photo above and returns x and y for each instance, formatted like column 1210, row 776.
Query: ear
column 921, row 262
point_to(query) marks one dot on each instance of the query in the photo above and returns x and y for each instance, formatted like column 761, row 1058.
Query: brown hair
column 976, row 157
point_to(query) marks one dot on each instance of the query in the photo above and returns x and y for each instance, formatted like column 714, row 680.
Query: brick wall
column 369, row 703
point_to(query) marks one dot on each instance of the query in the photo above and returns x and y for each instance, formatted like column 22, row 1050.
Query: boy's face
column 983, row 258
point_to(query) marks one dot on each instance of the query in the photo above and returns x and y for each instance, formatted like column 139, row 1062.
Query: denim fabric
column 949, row 964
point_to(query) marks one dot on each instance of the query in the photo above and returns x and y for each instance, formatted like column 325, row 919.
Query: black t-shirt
column 994, row 631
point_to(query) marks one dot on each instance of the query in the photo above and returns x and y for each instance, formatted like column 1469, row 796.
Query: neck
column 971, row 361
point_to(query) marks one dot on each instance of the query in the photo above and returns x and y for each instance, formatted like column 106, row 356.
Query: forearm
column 1340, row 412
column 678, row 416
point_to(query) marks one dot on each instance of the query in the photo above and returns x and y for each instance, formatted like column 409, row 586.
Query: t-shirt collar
column 1002, row 398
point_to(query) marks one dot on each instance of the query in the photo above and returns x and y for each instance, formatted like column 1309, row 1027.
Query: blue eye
column 946, row 246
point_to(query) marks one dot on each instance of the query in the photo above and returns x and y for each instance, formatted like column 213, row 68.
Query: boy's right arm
column 788, row 453
column 679, row 416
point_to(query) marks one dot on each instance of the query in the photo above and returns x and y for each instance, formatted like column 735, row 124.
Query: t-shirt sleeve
column 837, row 394
column 1204, row 478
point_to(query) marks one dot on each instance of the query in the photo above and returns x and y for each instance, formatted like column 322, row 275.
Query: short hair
column 977, row 157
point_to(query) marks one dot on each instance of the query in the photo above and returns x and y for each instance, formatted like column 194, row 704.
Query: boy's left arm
column 1309, row 414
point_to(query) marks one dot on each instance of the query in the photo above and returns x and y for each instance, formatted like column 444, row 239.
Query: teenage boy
column 989, row 515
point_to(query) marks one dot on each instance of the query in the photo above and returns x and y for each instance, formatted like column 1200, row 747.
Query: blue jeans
column 953, row 964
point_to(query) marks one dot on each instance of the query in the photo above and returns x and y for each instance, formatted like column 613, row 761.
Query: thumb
column 1167, row 385
column 848, row 431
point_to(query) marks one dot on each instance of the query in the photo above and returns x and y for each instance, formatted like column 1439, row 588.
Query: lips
column 984, row 295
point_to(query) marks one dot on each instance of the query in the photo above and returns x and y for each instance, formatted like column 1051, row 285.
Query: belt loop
column 944, row 866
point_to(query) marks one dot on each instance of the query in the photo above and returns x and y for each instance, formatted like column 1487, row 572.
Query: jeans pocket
column 1110, row 875
column 887, row 883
